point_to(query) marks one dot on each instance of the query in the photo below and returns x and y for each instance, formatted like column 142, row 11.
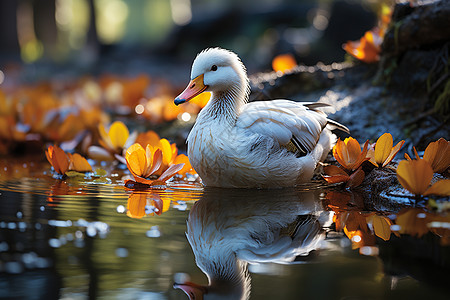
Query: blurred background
column 158, row 36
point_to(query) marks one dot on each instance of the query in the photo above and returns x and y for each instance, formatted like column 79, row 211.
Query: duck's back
column 253, row 152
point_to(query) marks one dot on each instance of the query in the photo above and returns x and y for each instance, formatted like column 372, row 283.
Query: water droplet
column 22, row 226
column 120, row 209
column 395, row 227
column 79, row 243
column 69, row 237
column 153, row 232
column 91, row 231
column 149, row 209
column 55, row 243
column 181, row 205
column 63, row 240
column 421, row 215
column 78, row 234
column 13, row 267
column 29, row 259
column 367, row 250
column 122, row 252
column 42, row 208
column 19, row 215
column 181, row 277
column 356, row 239
column 42, row 262
column 12, row 225
column 4, row 246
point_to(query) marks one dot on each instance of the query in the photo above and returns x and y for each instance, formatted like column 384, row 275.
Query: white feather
column 238, row 144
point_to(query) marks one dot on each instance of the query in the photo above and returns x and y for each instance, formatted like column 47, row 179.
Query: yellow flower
column 113, row 142
column 348, row 153
column 116, row 138
column 438, row 155
column 416, row 175
column 144, row 163
column 384, row 152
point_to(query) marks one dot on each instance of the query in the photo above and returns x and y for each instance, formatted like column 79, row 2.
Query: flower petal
column 183, row 159
column 371, row 156
column 60, row 159
column 441, row 188
column 104, row 137
column 49, row 153
column 172, row 170
column 332, row 170
column 336, row 178
column 99, row 153
column 356, row 178
column 132, row 148
column 166, row 151
column 157, row 160
column 353, row 148
column 79, row 163
column 361, row 158
column 383, row 148
column 118, row 134
column 415, row 175
column 136, row 205
column 393, row 153
column 382, row 227
column 438, row 154
column 136, row 161
column 338, row 154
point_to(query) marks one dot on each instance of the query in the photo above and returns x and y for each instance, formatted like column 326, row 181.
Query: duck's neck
column 225, row 106
column 233, row 281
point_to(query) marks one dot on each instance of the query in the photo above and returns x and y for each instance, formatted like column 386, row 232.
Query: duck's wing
column 290, row 123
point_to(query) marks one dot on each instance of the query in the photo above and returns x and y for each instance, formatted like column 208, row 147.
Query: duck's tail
column 333, row 125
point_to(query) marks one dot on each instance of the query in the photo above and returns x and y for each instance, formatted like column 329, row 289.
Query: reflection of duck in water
column 227, row 229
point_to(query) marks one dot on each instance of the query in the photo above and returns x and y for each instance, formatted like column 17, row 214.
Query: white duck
column 259, row 144
column 228, row 229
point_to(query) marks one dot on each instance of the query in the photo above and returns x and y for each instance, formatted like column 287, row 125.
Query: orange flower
column 63, row 162
column 140, row 204
column 58, row 159
column 348, row 153
column 144, row 163
column 416, row 176
column 334, row 174
column 368, row 48
column 283, row 63
column 438, row 155
column 183, row 159
column 170, row 152
column 384, row 152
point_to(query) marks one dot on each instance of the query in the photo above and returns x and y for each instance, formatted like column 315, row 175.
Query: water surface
column 82, row 238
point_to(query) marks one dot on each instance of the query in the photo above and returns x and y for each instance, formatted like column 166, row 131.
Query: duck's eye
column 214, row 68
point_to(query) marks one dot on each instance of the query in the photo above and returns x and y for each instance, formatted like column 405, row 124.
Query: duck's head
column 215, row 70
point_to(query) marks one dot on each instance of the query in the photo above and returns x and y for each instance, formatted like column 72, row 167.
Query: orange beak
column 194, row 88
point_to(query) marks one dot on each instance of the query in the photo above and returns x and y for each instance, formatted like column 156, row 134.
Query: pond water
column 91, row 238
